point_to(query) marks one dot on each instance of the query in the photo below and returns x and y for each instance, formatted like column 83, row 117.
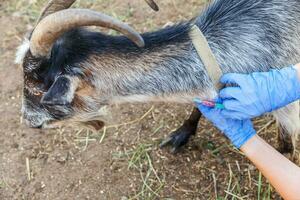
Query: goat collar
column 206, row 55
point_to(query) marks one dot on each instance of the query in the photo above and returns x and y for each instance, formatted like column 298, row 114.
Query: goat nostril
column 33, row 125
column 38, row 127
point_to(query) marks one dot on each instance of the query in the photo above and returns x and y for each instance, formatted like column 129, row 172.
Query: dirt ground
column 122, row 161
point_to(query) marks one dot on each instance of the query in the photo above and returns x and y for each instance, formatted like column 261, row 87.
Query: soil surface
column 121, row 161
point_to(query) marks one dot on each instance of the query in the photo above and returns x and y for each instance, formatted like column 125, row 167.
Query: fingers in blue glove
column 237, row 131
column 233, row 78
column 230, row 93
column 234, row 114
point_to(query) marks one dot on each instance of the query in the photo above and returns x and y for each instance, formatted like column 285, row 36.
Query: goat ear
column 61, row 92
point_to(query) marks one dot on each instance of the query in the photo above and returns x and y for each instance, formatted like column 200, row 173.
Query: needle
column 210, row 104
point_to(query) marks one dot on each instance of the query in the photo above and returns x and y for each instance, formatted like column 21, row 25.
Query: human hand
column 238, row 131
column 259, row 93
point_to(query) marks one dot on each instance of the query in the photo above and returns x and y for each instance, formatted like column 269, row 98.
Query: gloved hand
column 238, row 131
column 259, row 93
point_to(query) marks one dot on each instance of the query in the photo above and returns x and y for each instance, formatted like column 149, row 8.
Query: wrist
column 241, row 141
column 251, row 146
column 240, row 133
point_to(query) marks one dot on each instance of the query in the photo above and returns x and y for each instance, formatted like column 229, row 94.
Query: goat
column 70, row 73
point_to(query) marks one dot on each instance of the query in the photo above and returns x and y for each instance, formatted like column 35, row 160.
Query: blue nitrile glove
column 238, row 131
column 259, row 93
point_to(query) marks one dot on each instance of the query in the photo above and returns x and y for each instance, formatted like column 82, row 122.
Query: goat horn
column 56, row 24
column 54, row 6
column 152, row 4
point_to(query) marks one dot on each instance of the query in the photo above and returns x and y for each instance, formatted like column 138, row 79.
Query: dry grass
column 209, row 168
column 151, row 184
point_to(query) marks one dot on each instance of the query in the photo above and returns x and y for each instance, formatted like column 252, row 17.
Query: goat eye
column 37, row 93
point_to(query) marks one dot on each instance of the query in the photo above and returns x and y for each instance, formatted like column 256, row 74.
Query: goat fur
column 245, row 36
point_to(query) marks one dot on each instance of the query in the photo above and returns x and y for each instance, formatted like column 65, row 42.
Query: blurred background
column 122, row 161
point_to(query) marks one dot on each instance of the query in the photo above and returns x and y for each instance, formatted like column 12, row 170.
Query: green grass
column 29, row 10
column 2, row 184
column 264, row 190
column 139, row 160
column 234, row 188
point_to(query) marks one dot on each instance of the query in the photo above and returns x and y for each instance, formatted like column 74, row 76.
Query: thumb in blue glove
column 238, row 131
